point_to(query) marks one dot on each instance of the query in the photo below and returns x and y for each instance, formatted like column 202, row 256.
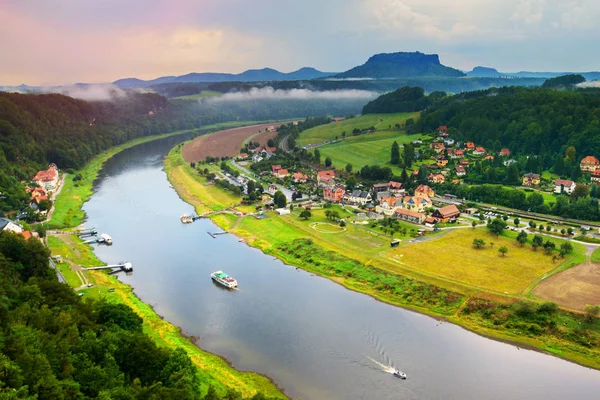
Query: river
column 315, row 338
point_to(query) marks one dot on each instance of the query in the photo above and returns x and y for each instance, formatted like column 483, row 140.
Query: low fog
column 268, row 93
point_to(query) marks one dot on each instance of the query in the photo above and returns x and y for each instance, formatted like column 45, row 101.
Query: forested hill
column 37, row 129
column 528, row 121
column 53, row 345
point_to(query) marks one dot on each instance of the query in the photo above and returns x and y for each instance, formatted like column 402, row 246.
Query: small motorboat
column 399, row 374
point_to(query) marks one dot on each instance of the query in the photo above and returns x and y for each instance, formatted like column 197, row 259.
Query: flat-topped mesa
column 401, row 65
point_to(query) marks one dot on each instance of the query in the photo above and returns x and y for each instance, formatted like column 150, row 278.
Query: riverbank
column 213, row 369
column 509, row 318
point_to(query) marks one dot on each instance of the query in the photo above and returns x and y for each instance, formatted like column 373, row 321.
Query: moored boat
column 186, row 219
column 224, row 279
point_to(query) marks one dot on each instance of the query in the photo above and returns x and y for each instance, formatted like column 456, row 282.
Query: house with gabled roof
column 424, row 190
column 589, row 164
column 565, row 186
column 446, row 213
column 299, row 177
column 387, row 205
column 409, row 215
column 334, row 194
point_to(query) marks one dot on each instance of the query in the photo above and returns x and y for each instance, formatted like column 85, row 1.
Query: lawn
column 329, row 131
column 453, row 256
column 356, row 242
column 369, row 149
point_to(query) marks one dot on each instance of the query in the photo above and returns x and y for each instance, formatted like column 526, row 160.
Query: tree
column 41, row 230
column 541, row 228
column 348, row 168
column 409, row 155
column 537, row 241
column 548, row 228
column 351, row 183
column 549, row 246
column 478, row 243
column 44, row 205
column 505, row 217
column 317, row 156
column 404, row 176
column 512, row 175
column 570, row 231
column 328, row 162
column 474, row 224
column 517, row 221
column 271, row 143
column 576, row 173
column 395, row 154
column 532, row 224
column 522, row 238
column 503, row 250
column 566, row 248
column 580, row 191
column 279, row 199
column 342, row 223
column 571, row 154
column 496, row 226
column 305, row 214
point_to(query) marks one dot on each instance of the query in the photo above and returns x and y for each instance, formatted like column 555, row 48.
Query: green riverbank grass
column 214, row 369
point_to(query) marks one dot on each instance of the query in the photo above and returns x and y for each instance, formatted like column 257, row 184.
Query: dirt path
column 573, row 288
column 226, row 143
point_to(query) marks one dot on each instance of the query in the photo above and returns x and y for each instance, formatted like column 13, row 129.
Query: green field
column 368, row 149
column 329, row 131
column 205, row 94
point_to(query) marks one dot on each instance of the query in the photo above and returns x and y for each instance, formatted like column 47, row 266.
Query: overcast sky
column 65, row 41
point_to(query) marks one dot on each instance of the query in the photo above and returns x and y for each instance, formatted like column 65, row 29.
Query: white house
column 564, row 186
column 256, row 157
column 449, row 141
column 359, row 197
column 9, row 226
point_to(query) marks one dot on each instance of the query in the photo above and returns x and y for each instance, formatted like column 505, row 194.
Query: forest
column 55, row 345
column 529, row 121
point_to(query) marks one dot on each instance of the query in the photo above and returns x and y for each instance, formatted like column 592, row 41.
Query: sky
column 46, row 42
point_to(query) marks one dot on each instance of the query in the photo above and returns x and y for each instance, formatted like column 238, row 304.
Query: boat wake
column 385, row 368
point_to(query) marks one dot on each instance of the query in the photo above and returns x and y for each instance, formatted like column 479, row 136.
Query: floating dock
column 88, row 232
column 104, row 239
column 123, row 266
column 214, row 235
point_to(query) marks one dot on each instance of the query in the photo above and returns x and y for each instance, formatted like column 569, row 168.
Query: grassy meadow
column 370, row 149
column 453, row 256
column 329, row 131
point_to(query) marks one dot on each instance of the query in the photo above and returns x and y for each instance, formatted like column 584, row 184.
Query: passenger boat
column 224, row 279
column 186, row 219
column 399, row 374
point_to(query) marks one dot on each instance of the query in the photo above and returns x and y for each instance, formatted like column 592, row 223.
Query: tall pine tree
column 395, row 157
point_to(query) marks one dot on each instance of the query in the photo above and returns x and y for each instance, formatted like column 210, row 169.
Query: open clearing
column 368, row 149
column 453, row 256
column 225, row 143
column 573, row 288
column 329, row 131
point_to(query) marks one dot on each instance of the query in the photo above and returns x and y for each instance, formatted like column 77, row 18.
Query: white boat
column 399, row 374
column 224, row 279
column 104, row 238
column 186, row 219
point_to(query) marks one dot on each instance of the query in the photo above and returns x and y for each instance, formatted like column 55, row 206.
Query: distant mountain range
column 251, row 75
column 487, row 72
column 401, row 65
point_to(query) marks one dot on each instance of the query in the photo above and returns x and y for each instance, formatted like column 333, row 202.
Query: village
column 42, row 189
column 444, row 161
